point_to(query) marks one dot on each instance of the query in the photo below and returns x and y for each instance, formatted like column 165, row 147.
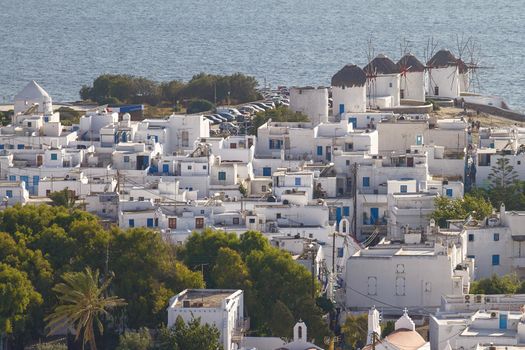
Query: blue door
column 341, row 108
column 374, row 215
column 353, row 121
column 503, row 321
column 338, row 214
column 267, row 171
column 165, row 168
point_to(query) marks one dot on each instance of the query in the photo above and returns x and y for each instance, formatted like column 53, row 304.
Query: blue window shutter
column 9, row 194
column 366, row 181
column 404, row 189
column 340, row 252
column 271, row 144
column 338, row 214
column 12, row 177
column 495, row 260
column 54, row 156
column 319, row 150
column 150, row 222
column 297, row 181
column 346, row 211
column 449, row 192
column 267, row 171
column 131, row 223
column 1, row 146
column 20, row 146
column 165, row 168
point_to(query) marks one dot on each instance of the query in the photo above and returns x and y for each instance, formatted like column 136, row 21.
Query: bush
column 140, row 340
column 121, row 88
column 197, row 106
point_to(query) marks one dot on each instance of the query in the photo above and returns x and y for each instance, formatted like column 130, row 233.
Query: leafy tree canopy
column 508, row 284
column 121, row 88
column 460, row 208
column 279, row 114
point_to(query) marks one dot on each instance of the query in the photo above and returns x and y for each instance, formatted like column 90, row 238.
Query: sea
column 64, row 44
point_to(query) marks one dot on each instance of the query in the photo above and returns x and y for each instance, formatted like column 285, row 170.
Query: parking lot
column 237, row 120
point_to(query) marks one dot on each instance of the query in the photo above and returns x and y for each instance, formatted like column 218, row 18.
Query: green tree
column 140, row 340
column 251, row 241
column 355, row 330
column 17, row 296
column 508, row 284
column 201, row 250
column 388, row 328
column 147, row 275
column 82, row 304
column 282, row 320
column 279, row 114
column 460, row 208
column 229, row 271
column 199, row 105
column 502, row 174
column 64, row 198
column 189, row 336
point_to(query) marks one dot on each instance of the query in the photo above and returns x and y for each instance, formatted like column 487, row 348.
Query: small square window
column 471, row 237
column 222, row 175
column 347, row 162
column 278, row 215
column 403, row 188
column 496, row 237
column 297, row 181
column 202, row 211
column 54, row 156
column 236, row 221
column 252, row 221
column 126, row 159
column 366, row 181
column 189, row 167
column 9, row 194
column 449, row 192
column 131, row 223
column 519, row 162
column 204, row 167
column 141, row 199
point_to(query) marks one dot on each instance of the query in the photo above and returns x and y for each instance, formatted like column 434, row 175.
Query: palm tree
column 81, row 303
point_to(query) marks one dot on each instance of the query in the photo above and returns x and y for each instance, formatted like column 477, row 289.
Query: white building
column 496, row 244
column 443, row 75
column 349, row 90
column 412, row 78
column 310, row 101
column 222, row 308
column 470, row 329
column 383, row 83
column 392, row 276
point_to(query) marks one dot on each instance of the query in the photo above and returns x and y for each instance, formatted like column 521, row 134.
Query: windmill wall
column 413, row 86
column 446, row 79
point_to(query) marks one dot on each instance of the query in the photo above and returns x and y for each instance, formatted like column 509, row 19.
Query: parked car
column 228, row 116
column 212, row 119
column 220, row 117
column 229, row 127
column 263, row 105
column 257, row 108
column 247, row 109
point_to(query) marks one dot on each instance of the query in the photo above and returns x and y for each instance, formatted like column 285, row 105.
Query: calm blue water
column 65, row 44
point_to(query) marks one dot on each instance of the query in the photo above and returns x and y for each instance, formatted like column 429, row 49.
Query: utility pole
column 312, row 251
column 354, row 194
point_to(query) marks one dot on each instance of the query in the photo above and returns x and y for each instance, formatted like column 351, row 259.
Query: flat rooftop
column 208, row 298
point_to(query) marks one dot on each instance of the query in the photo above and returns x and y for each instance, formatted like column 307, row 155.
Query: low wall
column 500, row 112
